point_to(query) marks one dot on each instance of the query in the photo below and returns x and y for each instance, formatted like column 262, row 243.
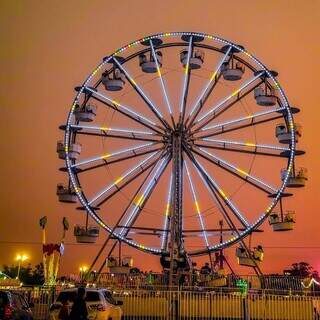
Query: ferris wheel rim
column 75, row 181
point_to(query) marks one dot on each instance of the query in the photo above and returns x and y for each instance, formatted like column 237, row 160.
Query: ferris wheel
column 175, row 134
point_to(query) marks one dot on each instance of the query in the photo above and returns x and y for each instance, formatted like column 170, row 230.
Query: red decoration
column 50, row 248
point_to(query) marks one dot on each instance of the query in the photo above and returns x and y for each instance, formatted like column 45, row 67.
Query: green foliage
column 28, row 275
column 243, row 285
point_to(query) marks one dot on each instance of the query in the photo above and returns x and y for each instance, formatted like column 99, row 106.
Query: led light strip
column 238, row 171
column 225, row 198
column 233, row 94
column 137, row 204
column 101, row 128
column 155, row 109
column 119, row 105
column 246, row 144
column 248, row 117
column 213, row 76
column 121, row 178
column 186, row 75
column 197, row 207
column 161, row 79
column 109, row 155
column 217, row 246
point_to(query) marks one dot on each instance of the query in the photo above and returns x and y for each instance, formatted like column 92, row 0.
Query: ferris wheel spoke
column 109, row 162
column 215, row 196
column 240, row 173
column 167, row 213
column 119, row 133
column 124, row 110
column 223, row 106
column 195, row 110
column 218, row 190
column 249, row 118
column 121, row 182
column 124, row 179
column 230, row 145
column 140, row 201
column 163, row 86
column 141, row 93
column 186, row 82
column 197, row 207
column 107, row 156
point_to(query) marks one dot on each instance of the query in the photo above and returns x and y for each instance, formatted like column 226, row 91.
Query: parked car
column 100, row 304
column 13, row 306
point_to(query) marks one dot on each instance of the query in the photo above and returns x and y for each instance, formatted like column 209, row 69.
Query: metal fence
column 274, row 282
column 211, row 305
column 190, row 304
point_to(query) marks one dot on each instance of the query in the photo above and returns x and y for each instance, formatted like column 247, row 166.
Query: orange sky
column 50, row 47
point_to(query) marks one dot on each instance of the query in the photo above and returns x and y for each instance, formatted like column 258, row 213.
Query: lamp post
column 20, row 258
column 83, row 270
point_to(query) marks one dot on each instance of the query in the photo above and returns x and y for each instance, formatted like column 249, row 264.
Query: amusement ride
column 181, row 144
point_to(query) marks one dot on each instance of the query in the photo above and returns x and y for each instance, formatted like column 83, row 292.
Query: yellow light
column 115, row 103
column 186, row 69
column 235, row 93
column 107, row 155
column 139, row 201
column 250, row 144
column 242, row 172
column 223, row 194
column 249, row 116
column 133, row 82
column 83, row 268
column 21, row 257
column 167, row 208
column 213, row 76
column 118, row 180
column 197, row 206
column 104, row 129
column 159, row 72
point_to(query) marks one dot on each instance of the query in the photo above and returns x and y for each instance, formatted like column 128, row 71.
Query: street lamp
column 20, row 258
column 83, row 270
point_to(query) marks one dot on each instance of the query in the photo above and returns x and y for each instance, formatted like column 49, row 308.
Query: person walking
column 79, row 309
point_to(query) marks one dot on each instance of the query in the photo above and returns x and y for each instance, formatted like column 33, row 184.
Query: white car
column 100, row 304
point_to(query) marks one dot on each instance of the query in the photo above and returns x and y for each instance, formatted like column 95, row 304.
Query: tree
column 303, row 269
column 28, row 276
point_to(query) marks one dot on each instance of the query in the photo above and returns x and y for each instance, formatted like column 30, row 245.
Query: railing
column 209, row 305
column 137, row 281
column 196, row 303
column 41, row 297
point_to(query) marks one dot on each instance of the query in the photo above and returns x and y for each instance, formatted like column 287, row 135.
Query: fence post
column 245, row 308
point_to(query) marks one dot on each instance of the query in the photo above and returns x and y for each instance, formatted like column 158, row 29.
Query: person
column 79, row 309
column 206, row 269
column 64, row 311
